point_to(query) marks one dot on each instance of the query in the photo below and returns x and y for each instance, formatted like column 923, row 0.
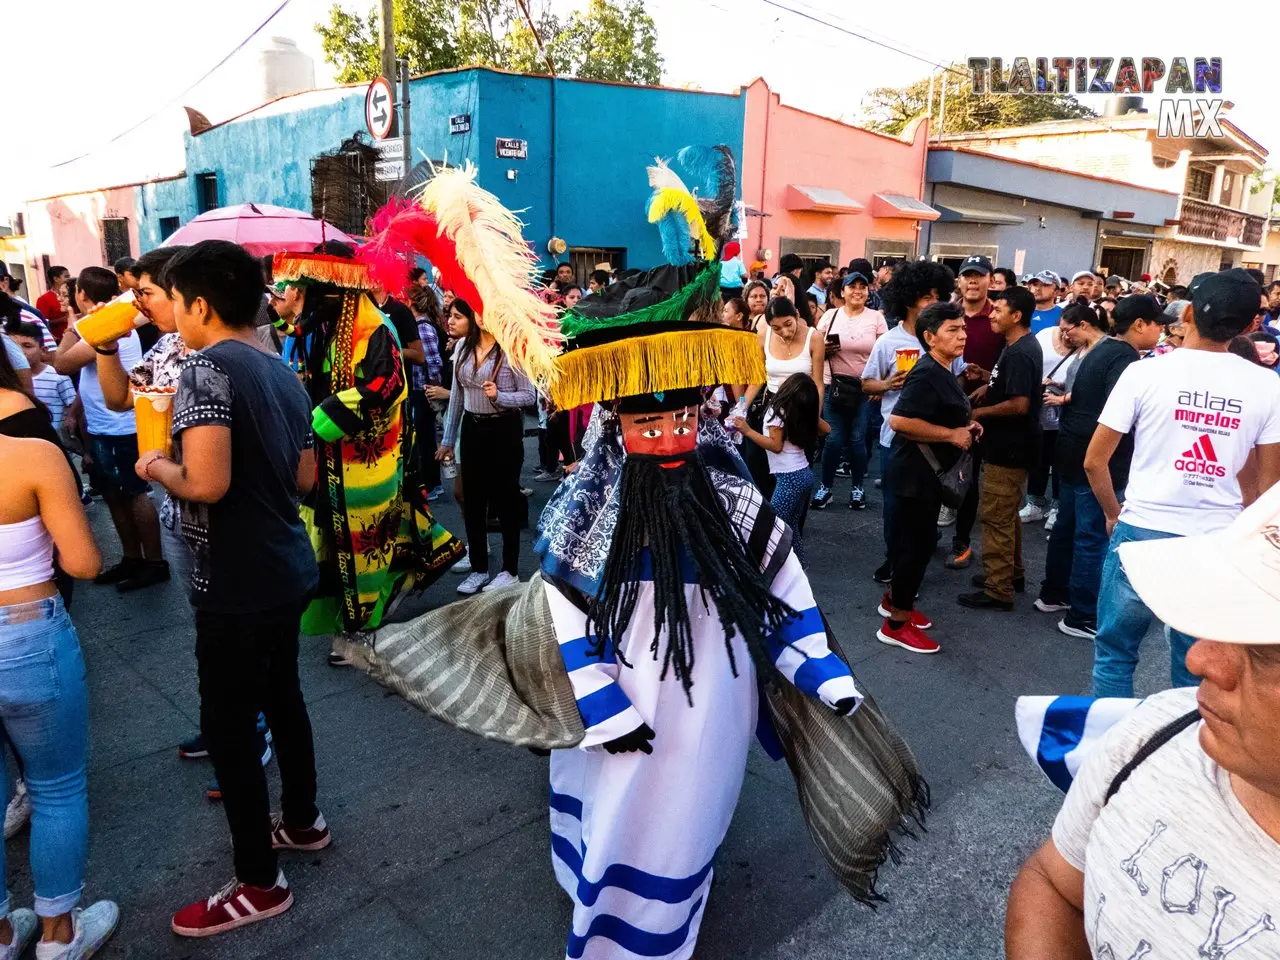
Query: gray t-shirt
column 1174, row 866
column 883, row 363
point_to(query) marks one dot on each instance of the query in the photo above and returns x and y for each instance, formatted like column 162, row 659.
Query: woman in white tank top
column 43, row 694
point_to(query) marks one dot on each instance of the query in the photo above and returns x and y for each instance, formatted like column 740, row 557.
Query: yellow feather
column 669, row 199
column 492, row 252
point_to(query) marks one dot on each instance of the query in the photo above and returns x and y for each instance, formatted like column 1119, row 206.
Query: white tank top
column 26, row 554
column 776, row 371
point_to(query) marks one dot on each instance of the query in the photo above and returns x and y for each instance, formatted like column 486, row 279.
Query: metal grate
column 343, row 189
column 584, row 260
column 115, row 239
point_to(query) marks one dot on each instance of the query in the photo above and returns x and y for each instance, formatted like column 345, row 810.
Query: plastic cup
column 153, row 411
column 906, row 358
column 111, row 321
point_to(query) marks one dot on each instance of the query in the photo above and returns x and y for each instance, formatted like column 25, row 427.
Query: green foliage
column 608, row 40
column 890, row 109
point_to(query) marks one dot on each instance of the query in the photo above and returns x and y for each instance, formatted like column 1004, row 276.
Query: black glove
column 845, row 707
column 637, row 739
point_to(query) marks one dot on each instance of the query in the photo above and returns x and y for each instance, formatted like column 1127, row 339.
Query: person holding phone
column 850, row 332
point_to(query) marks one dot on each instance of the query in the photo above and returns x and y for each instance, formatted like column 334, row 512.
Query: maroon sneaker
column 908, row 637
column 918, row 619
column 314, row 837
column 233, row 906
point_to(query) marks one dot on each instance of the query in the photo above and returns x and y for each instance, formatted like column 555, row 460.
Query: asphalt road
column 441, row 846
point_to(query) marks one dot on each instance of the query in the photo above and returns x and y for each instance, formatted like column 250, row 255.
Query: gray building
column 1029, row 217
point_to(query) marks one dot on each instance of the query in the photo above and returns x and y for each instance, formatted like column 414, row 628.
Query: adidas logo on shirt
column 1201, row 458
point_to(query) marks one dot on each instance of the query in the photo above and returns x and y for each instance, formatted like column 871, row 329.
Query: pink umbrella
column 260, row 228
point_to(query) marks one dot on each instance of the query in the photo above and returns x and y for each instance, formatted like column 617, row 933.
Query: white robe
column 633, row 835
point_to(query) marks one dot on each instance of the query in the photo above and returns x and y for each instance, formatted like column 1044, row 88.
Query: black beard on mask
column 675, row 511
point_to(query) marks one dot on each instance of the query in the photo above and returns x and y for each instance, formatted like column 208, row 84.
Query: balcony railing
column 1212, row 222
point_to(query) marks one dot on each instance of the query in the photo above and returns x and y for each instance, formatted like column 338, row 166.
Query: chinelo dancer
column 373, row 533
column 669, row 600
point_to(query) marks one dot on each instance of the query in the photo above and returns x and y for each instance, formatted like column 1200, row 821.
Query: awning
column 902, row 207
column 1136, row 234
column 970, row 215
column 820, row 200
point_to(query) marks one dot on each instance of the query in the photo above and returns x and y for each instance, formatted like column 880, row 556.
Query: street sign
column 460, row 123
column 379, row 108
column 391, row 149
column 388, row 170
column 512, row 149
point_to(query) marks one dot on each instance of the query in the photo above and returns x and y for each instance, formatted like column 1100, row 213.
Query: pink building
column 826, row 190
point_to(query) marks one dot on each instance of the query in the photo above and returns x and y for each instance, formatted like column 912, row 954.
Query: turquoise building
column 568, row 155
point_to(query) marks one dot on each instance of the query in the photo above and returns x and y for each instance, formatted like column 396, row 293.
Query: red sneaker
column 918, row 619
column 908, row 637
column 314, row 837
column 233, row 906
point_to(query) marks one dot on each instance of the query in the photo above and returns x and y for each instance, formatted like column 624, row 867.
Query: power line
column 208, row 73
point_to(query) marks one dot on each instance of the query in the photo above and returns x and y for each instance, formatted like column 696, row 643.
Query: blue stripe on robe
column 806, row 624
column 651, row 886
column 816, row 671
column 602, row 704
column 640, row 942
column 577, row 654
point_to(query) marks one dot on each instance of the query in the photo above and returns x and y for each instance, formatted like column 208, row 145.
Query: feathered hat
column 654, row 337
column 475, row 243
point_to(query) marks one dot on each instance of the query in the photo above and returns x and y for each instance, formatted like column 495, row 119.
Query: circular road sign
column 379, row 108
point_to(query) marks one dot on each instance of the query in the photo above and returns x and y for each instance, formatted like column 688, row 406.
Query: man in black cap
column 1078, row 544
column 1206, row 428
column 981, row 351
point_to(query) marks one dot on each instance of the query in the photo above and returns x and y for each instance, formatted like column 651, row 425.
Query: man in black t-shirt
column 1081, row 545
column 1010, row 417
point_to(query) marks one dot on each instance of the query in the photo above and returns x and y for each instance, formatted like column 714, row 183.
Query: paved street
column 441, row 841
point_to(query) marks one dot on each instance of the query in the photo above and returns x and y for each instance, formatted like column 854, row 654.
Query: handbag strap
column 930, row 457
column 1060, row 363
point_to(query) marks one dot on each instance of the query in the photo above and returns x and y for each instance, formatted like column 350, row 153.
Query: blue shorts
column 112, row 469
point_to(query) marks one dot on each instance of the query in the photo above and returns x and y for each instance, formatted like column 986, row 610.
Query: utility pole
column 387, row 35
column 405, row 138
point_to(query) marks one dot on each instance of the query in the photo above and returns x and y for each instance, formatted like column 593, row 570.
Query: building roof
column 957, row 148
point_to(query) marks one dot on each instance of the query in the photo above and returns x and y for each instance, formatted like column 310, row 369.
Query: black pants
column 915, row 536
column 424, row 439
column 249, row 663
column 492, row 452
column 967, row 515
column 1038, row 479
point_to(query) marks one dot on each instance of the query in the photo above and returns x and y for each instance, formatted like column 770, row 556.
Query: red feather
column 401, row 231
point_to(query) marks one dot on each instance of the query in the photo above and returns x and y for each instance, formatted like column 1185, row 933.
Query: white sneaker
column 25, row 924
column 1031, row 513
column 1051, row 519
column 463, row 565
column 503, row 579
column 93, row 925
column 946, row 517
column 18, row 814
column 473, row 584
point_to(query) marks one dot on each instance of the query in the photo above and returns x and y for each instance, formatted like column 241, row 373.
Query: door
column 1123, row 261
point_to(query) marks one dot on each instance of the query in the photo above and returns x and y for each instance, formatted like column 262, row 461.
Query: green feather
column 705, row 284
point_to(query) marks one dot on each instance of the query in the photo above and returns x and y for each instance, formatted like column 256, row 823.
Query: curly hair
column 913, row 279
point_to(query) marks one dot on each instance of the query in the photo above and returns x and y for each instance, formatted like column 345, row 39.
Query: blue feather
column 710, row 170
column 677, row 239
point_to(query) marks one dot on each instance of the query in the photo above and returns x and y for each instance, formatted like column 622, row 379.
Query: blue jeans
column 1123, row 620
column 847, row 441
column 1089, row 549
column 44, row 708
column 1058, row 564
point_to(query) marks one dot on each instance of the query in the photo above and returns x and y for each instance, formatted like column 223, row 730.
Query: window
column 1199, row 183
column 954, row 254
column 584, row 260
column 811, row 251
column 169, row 226
column 880, row 252
column 1228, row 190
column 206, row 192
column 115, row 239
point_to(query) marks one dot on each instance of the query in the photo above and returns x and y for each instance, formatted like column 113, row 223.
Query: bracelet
column 147, row 467
column 106, row 353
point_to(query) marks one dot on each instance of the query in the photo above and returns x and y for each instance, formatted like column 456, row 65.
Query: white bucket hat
column 1231, row 591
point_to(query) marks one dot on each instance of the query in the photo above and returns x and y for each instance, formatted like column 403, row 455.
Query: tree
column 890, row 109
column 608, row 40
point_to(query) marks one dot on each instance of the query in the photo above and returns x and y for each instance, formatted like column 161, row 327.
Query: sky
column 122, row 63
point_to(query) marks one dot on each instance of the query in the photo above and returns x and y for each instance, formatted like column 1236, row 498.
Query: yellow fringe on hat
column 319, row 268
column 671, row 199
column 657, row 363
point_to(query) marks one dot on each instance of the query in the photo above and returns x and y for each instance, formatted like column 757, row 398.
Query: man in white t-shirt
column 1168, row 844
column 114, row 445
column 1206, row 423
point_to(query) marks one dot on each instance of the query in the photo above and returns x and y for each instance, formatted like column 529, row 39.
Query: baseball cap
column 1232, row 593
column 1046, row 276
column 1175, row 310
column 1081, row 273
column 856, row 275
column 1115, row 280
column 1231, row 294
column 975, row 264
column 1141, row 306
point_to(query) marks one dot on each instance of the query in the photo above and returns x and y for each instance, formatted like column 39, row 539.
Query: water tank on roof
column 285, row 69
column 1120, row 106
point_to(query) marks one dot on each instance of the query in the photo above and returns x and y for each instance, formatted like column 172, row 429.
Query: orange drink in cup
column 153, row 411
column 111, row 321
column 906, row 358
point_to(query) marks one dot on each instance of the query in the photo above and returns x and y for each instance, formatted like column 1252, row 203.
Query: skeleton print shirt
column 1173, row 865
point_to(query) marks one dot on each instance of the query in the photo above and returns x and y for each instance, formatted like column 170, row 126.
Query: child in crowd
column 792, row 428
column 51, row 388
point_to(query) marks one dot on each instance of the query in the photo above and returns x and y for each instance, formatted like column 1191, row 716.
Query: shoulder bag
column 955, row 481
